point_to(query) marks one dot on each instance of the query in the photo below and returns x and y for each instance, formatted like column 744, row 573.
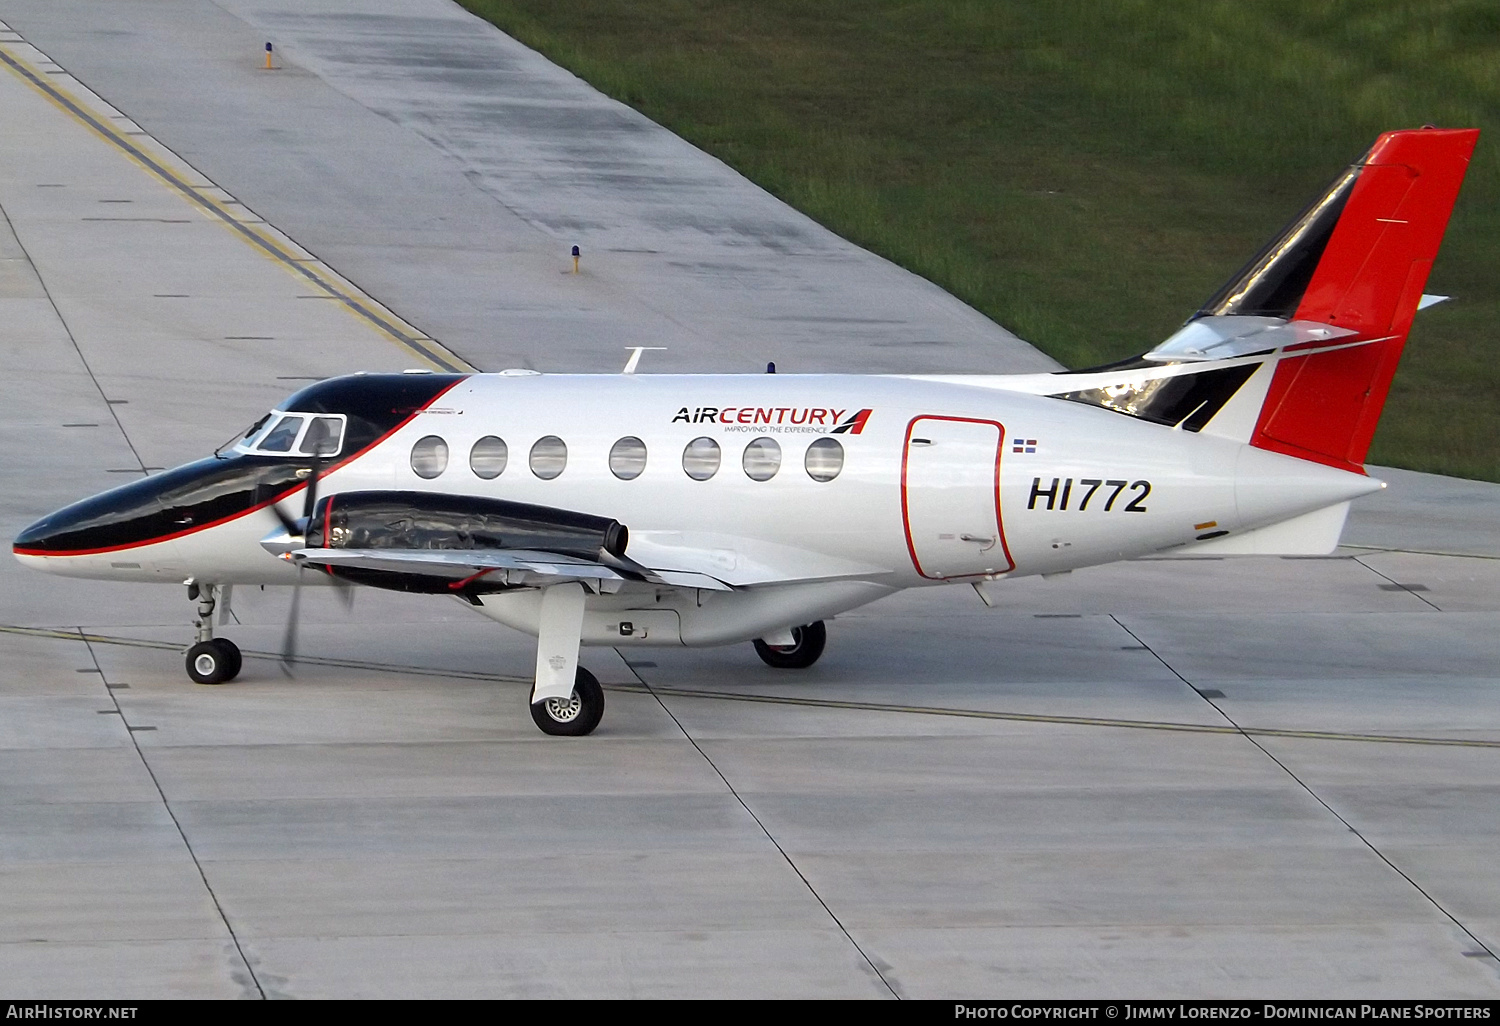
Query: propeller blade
column 289, row 639
column 341, row 587
column 292, row 527
column 312, row 487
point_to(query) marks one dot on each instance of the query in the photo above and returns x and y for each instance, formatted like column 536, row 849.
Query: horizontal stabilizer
column 1223, row 338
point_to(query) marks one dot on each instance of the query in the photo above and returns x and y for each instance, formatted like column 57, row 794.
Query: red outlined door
column 950, row 497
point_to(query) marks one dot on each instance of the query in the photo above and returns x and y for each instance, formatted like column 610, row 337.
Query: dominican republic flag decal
column 855, row 424
column 1023, row 445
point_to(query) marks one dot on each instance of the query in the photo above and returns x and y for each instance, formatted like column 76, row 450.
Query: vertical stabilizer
column 1357, row 260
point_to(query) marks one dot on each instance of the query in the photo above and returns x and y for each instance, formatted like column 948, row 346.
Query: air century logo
column 855, row 424
column 814, row 418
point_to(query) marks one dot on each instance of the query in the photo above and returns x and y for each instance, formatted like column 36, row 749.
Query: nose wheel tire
column 807, row 646
column 214, row 662
column 576, row 715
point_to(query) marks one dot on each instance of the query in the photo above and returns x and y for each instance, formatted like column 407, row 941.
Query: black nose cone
column 38, row 537
column 155, row 509
column 118, row 518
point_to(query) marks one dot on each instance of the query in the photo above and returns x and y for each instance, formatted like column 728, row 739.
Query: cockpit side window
column 323, row 436
column 281, row 437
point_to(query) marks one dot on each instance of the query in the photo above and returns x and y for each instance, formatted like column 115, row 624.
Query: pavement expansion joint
column 1251, row 736
column 879, row 969
column 131, row 731
column 1394, row 585
column 72, row 339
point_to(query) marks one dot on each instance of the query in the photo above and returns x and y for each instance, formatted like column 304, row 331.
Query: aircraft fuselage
column 923, row 481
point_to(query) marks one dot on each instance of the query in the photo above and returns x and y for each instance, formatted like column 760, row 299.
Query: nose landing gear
column 211, row 660
column 215, row 661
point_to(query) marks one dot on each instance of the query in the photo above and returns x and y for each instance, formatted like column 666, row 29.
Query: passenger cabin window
column 700, row 460
column 762, row 459
column 549, row 456
column 824, row 459
column 429, row 457
column 488, row 457
column 627, row 458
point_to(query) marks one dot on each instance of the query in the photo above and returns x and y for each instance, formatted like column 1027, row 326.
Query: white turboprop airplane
column 759, row 506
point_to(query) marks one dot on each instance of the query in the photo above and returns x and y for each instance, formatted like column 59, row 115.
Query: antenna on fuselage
column 635, row 356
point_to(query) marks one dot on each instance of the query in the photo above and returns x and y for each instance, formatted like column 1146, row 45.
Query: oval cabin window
column 627, row 458
column 429, row 457
column 700, row 460
column 488, row 457
column 824, row 459
column 762, row 459
column 548, row 457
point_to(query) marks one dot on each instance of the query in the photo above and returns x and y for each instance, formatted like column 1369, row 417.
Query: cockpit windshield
column 238, row 443
column 281, row 437
column 292, row 434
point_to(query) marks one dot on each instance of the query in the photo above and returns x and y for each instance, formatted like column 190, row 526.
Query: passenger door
column 950, row 497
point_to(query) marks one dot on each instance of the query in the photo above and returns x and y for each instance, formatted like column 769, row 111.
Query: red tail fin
column 1391, row 211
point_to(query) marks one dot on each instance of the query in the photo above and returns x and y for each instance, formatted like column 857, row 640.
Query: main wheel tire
column 232, row 657
column 212, row 662
column 576, row 715
column 807, row 646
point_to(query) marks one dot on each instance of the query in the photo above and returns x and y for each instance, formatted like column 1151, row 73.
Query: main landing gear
column 211, row 660
column 566, row 700
column 797, row 651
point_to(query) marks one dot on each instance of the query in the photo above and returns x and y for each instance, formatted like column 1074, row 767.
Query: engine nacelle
column 428, row 520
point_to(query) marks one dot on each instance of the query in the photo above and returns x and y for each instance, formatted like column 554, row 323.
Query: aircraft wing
column 740, row 561
column 711, row 562
column 520, row 566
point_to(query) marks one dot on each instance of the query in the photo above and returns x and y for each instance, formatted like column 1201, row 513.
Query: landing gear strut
column 211, row 660
column 807, row 645
column 566, row 699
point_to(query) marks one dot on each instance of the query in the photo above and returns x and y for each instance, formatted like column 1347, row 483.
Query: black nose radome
column 180, row 501
column 36, row 537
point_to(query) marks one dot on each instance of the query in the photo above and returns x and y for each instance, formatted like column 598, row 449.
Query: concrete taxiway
column 1268, row 777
